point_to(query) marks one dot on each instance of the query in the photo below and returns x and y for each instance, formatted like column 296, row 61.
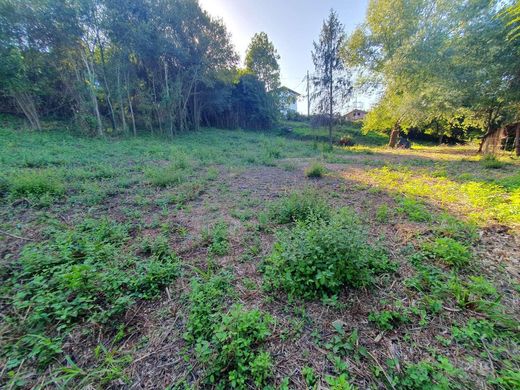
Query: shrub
column 298, row 206
column 448, row 250
column 320, row 257
column 81, row 275
column 315, row 170
column 34, row 183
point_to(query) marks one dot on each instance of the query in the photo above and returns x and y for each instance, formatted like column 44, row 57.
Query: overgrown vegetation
column 79, row 275
column 319, row 257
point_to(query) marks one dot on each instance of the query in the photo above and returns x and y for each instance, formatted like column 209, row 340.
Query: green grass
column 298, row 206
column 114, row 248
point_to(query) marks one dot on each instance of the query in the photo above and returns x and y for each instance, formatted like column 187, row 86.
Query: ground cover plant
column 213, row 261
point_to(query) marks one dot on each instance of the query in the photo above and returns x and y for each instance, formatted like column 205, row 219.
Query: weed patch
column 34, row 184
column 448, row 250
column 80, row 275
column 318, row 257
column 299, row 206
column 315, row 170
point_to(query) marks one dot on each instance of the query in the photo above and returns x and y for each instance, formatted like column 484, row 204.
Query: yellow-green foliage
column 480, row 201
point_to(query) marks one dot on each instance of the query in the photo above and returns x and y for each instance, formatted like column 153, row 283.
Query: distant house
column 356, row 115
column 288, row 99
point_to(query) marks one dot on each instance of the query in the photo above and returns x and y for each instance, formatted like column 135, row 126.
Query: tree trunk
column 394, row 135
column 131, row 106
column 93, row 96
column 121, row 104
column 109, row 99
column 26, row 104
column 517, row 140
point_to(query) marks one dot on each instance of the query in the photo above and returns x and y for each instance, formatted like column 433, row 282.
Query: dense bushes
column 319, row 257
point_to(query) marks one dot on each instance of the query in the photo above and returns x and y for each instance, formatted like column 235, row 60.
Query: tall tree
column 436, row 60
column 332, row 79
column 262, row 60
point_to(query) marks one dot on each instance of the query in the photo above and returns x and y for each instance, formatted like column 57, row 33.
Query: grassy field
column 234, row 259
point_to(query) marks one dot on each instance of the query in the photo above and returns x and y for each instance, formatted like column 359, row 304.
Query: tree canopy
column 437, row 60
column 122, row 66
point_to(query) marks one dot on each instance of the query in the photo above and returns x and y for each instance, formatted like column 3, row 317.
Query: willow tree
column 332, row 80
column 447, row 57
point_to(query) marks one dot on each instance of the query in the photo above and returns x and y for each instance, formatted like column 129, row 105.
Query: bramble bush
column 319, row 257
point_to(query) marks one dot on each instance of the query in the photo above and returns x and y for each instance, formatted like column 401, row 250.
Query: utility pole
column 308, row 97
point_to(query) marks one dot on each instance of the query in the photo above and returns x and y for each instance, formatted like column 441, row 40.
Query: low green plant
column 35, row 183
column 218, row 238
column 79, row 275
column 490, row 161
column 315, row 170
column 339, row 383
column 233, row 356
column 310, row 376
column 449, row 251
column 298, row 206
column 173, row 174
column 319, row 257
column 207, row 299
column 426, row 375
column 388, row 319
column 414, row 210
column 382, row 213
column 343, row 344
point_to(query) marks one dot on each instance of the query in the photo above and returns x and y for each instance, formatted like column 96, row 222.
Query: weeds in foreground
column 319, row 257
column 228, row 344
column 79, row 275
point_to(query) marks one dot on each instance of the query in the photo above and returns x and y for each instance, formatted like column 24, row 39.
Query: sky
column 292, row 26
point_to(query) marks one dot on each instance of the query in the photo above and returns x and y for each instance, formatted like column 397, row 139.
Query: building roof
column 285, row 89
column 357, row 110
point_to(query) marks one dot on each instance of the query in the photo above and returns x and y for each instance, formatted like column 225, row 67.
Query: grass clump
column 490, row 161
column 299, row 206
column 318, row 257
column 34, row 184
column 218, row 239
column 79, row 275
column 228, row 344
column 448, row 250
column 177, row 172
column 315, row 170
column 414, row 210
